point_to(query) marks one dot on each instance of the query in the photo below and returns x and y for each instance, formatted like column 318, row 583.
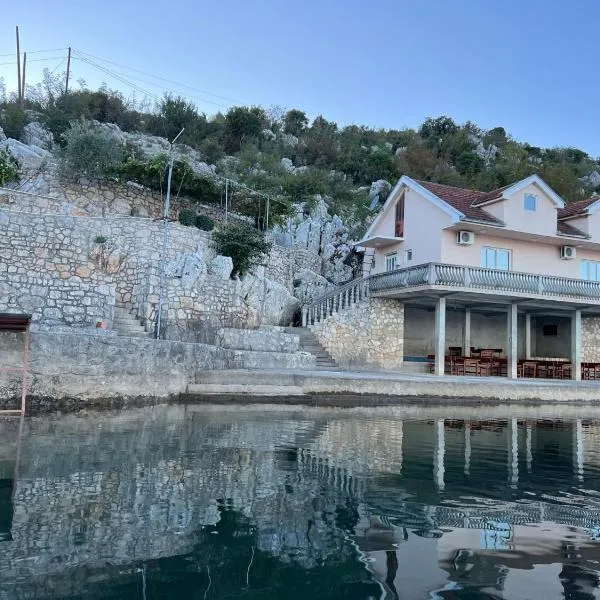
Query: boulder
column 288, row 165
column 268, row 302
column 2, row 135
column 267, row 134
column 221, row 267
column 378, row 193
column 194, row 267
column 35, row 134
column 28, row 157
column 308, row 285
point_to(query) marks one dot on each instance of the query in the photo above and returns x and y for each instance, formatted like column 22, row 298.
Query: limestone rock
column 268, row 134
column 35, row 134
column 194, row 267
column 268, row 302
column 221, row 267
column 593, row 179
column 308, row 285
column 28, row 157
column 378, row 193
column 2, row 135
column 289, row 140
column 288, row 165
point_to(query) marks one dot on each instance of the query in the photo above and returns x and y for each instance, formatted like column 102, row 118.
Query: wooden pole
column 19, row 69
column 23, row 83
column 68, row 71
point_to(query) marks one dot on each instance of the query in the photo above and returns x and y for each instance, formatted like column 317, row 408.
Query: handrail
column 341, row 298
column 434, row 274
column 440, row 274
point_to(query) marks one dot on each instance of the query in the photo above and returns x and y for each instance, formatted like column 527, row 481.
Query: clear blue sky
column 528, row 65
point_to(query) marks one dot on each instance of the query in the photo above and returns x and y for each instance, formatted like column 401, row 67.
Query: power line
column 161, row 87
column 14, row 62
column 35, row 51
column 183, row 85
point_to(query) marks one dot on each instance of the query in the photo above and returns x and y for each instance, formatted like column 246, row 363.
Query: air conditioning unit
column 568, row 252
column 465, row 238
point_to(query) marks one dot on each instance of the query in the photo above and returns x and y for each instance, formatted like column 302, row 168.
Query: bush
column 90, row 151
column 13, row 121
column 100, row 239
column 243, row 244
column 205, row 223
column 9, row 170
column 187, row 217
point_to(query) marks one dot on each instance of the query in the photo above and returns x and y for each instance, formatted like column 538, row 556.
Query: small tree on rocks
column 243, row 244
column 91, row 151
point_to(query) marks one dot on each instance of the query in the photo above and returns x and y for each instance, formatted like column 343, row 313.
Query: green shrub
column 99, row 239
column 13, row 120
column 9, row 169
column 187, row 217
column 90, row 151
column 205, row 223
column 245, row 245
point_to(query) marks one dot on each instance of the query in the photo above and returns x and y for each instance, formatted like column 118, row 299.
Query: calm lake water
column 215, row 502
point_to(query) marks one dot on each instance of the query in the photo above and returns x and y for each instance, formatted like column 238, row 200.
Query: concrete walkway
column 283, row 382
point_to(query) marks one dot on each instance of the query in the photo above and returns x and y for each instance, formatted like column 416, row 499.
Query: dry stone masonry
column 367, row 334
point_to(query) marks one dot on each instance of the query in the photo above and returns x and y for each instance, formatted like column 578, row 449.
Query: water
column 265, row 503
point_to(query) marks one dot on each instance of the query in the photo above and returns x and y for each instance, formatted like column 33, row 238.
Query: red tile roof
column 463, row 200
column 566, row 229
column 575, row 208
column 469, row 203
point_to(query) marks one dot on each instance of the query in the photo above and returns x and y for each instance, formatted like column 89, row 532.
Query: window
column 495, row 258
column 530, row 202
column 390, row 261
column 399, row 229
column 408, row 255
column 590, row 270
column 550, row 330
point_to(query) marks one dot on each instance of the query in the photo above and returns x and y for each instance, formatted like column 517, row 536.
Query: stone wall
column 590, row 339
column 369, row 334
column 96, row 366
column 264, row 340
column 61, row 303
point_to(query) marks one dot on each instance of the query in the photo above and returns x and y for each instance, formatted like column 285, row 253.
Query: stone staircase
column 126, row 324
column 310, row 343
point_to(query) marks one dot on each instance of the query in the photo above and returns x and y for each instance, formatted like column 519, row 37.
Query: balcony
column 474, row 280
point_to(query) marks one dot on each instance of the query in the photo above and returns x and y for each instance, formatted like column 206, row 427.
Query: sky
column 530, row 66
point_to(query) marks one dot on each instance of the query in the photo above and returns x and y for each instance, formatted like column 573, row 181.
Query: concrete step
column 229, row 377
column 244, row 389
column 309, row 343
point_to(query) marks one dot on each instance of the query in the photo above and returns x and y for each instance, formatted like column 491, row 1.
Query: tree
column 90, row 150
column 295, row 122
column 13, row 120
column 9, row 169
column 241, row 123
column 243, row 244
column 175, row 114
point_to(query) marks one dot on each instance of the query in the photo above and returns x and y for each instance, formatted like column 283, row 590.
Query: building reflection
column 430, row 507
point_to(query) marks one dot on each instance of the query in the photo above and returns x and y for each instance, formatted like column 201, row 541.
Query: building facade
column 515, row 268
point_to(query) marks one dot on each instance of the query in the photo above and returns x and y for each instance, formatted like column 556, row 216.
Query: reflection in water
column 210, row 502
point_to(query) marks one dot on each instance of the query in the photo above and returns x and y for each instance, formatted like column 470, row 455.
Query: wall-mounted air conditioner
column 568, row 252
column 465, row 238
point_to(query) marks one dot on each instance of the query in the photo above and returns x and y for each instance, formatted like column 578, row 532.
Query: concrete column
column 576, row 345
column 467, row 341
column 304, row 317
column 512, row 348
column 440, row 452
column 440, row 335
column 528, row 336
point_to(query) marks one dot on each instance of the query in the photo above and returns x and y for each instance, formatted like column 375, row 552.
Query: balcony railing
column 453, row 276
column 475, row 278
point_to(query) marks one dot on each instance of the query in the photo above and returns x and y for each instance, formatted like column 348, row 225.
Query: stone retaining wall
column 590, row 339
column 96, row 366
column 263, row 340
column 70, row 303
column 369, row 334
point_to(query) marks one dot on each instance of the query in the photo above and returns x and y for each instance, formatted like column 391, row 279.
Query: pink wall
column 422, row 223
column 527, row 257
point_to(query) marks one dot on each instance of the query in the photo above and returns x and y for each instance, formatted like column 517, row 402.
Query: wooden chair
column 542, row 370
column 528, row 368
column 486, row 362
column 566, row 371
column 471, row 366
column 458, row 366
column 431, row 362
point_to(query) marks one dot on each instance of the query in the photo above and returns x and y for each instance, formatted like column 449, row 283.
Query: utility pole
column 165, row 237
column 68, row 71
column 19, row 69
column 23, row 84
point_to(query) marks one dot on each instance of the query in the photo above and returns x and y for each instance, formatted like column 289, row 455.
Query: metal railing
column 438, row 274
column 340, row 299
